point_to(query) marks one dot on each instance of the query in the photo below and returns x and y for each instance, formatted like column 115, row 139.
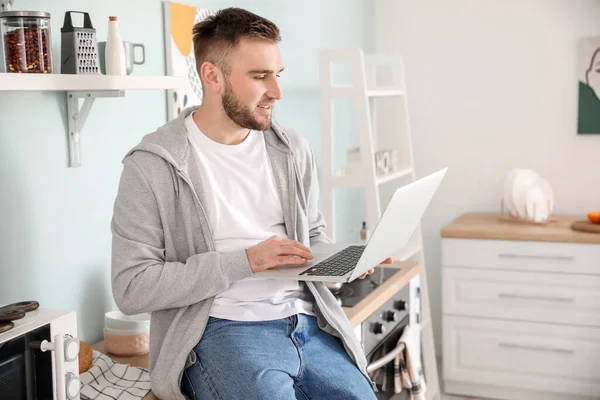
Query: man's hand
column 277, row 251
column 389, row 260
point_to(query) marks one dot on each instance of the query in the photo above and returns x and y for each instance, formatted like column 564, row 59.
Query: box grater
column 79, row 47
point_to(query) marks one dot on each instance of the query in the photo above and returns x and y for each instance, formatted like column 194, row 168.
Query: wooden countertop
column 491, row 226
column 357, row 314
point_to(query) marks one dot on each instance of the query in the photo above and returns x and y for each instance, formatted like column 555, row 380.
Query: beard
column 241, row 114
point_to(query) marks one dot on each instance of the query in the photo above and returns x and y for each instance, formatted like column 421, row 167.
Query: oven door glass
column 26, row 371
column 384, row 376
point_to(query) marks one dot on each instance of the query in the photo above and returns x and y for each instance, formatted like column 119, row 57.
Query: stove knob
column 73, row 385
column 400, row 305
column 71, row 348
column 389, row 316
column 378, row 328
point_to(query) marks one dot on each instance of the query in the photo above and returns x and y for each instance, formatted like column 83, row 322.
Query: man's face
column 593, row 74
column 252, row 85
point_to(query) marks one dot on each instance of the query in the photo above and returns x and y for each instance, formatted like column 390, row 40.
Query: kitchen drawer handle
column 536, row 348
column 527, row 297
column 536, row 257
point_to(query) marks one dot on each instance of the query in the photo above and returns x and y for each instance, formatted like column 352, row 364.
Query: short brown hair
column 216, row 35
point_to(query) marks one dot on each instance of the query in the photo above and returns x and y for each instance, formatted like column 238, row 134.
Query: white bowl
column 117, row 321
column 123, row 331
column 127, row 343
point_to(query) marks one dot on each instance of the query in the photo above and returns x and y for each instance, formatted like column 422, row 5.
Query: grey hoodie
column 163, row 254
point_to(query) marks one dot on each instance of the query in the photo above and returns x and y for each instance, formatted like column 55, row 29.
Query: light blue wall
column 55, row 221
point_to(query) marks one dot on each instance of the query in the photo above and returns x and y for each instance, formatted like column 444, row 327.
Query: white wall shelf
column 350, row 91
column 88, row 88
column 358, row 181
column 86, row 83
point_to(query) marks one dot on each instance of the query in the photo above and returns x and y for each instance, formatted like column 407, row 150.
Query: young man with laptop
column 215, row 225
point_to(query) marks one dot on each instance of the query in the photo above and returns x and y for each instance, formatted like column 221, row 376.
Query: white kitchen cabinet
column 521, row 309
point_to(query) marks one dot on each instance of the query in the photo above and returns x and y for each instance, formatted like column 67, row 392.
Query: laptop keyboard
column 339, row 264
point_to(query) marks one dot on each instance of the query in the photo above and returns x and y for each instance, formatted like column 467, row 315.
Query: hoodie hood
column 170, row 141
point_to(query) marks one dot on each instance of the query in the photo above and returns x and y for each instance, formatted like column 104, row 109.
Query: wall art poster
column 588, row 111
column 179, row 20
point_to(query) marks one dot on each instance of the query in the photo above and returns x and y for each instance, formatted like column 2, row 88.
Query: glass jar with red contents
column 26, row 41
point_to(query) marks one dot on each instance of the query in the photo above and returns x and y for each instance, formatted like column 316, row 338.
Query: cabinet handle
column 536, row 348
column 527, row 297
column 536, row 257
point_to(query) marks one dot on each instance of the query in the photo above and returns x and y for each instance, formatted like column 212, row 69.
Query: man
column 207, row 200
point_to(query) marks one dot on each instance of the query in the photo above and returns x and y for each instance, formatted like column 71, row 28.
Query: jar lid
column 38, row 14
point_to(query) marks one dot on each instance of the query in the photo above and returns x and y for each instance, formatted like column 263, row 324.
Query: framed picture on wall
column 588, row 110
column 179, row 20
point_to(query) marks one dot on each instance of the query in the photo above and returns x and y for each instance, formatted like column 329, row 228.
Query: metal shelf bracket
column 76, row 117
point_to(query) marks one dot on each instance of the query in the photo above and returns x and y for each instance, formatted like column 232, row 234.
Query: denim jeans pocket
column 197, row 384
column 187, row 387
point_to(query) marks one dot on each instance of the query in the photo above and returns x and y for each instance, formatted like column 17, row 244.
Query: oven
column 39, row 357
column 380, row 332
column 380, row 335
column 381, row 362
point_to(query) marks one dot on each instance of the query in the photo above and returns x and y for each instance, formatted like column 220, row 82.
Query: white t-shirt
column 244, row 208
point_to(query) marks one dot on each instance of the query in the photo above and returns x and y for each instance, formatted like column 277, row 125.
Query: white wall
column 492, row 85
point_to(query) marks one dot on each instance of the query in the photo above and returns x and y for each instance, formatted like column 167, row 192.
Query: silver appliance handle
column 537, row 257
column 375, row 365
column 528, row 297
column 535, row 348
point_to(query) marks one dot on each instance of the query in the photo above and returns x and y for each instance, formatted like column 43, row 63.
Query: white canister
column 127, row 335
column 114, row 56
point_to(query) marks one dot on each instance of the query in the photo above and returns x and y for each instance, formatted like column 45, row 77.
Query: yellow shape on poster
column 182, row 23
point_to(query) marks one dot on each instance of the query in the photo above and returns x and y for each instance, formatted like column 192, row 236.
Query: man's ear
column 211, row 76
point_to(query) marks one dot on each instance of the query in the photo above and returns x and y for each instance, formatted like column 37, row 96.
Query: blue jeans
column 289, row 358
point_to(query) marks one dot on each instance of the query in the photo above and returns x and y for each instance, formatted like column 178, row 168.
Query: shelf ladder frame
column 361, row 90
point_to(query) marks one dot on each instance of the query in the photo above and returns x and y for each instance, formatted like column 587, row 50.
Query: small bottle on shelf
column 364, row 233
column 115, row 51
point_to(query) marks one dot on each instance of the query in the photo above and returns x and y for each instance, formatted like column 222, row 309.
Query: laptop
column 335, row 262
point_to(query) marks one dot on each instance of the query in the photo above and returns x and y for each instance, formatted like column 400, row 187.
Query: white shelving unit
column 88, row 88
column 67, row 82
column 365, row 88
column 352, row 181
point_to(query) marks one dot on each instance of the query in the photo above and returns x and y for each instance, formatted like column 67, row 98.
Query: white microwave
column 39, row 357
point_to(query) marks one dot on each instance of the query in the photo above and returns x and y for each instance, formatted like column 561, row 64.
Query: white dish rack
column 527, row 197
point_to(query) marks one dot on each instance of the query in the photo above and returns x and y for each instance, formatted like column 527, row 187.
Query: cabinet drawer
column 522, row 255
column 529, row 296
column 522, row 355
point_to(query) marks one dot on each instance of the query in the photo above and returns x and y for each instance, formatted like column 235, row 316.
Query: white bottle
column 114, row 54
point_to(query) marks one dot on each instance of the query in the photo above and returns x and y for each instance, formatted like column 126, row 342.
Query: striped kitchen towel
column 108, row 380
column 408, row 373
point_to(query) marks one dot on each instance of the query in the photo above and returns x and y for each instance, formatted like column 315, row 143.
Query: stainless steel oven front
column 380, row 335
